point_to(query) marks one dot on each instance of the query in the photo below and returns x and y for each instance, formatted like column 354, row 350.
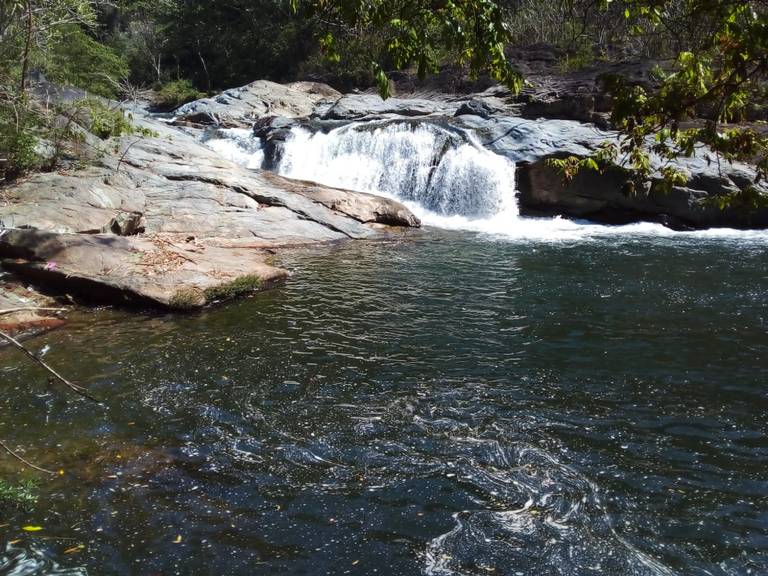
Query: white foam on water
column 239, row 146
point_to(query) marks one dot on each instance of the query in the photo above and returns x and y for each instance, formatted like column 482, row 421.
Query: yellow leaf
column 74, row 549
column 32, row 528
column 178, row 539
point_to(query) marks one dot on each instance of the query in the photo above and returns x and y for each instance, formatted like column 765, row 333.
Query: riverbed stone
column 23, row 309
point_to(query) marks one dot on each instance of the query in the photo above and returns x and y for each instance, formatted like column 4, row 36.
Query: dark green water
column 447, row 404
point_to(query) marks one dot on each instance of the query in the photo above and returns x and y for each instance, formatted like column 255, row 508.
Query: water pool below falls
column 580, row 400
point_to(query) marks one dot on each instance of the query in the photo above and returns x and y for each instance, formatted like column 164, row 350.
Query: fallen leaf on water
column 32, row 528
column 178, row 539
column 356, row 562
column 14, row 542
column 74, row 549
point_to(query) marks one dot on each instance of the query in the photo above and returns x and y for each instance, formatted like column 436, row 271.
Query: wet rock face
column 615, row 197
column 273, row 131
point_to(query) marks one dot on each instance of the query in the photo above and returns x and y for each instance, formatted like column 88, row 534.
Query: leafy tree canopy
column 714, row 53
column 418, row 32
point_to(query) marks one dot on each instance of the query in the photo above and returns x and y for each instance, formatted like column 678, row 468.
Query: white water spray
column 443, row 175
column 439, row 173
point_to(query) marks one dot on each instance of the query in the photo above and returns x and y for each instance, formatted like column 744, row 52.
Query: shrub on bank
column 173, row 94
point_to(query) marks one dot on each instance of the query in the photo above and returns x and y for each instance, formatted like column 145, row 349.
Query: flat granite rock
column 239, row 107
column 150, row 269
column 165, row 220
column 360, row 106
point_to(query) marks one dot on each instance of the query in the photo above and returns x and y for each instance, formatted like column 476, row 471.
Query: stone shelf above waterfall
column 466, row 158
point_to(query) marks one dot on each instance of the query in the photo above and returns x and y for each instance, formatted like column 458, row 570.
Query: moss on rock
column 188, row 298
column 237, row 287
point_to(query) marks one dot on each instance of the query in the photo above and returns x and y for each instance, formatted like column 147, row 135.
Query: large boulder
column 239, row 107
column 366, row 208
column 370, row 106
column 523, row 140
column 475, row 107
column 617, row 195
column 151, row 269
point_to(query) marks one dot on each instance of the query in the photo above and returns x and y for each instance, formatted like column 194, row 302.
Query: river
column 496, row 395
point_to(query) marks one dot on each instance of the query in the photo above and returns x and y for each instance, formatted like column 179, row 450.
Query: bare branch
column 5, row 447
column 74, row 387
column 31, row 309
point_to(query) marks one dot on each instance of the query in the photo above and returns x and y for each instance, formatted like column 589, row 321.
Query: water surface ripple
column 445, row 404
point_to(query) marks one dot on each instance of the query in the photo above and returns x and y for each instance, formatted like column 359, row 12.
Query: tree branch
column 5, row 447
column 74, row 387
column 31, row 309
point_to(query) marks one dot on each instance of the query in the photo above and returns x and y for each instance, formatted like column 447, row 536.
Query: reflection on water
column 447, row 404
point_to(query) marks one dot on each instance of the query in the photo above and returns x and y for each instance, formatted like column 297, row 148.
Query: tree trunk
column 205, row 67
column 27, row 48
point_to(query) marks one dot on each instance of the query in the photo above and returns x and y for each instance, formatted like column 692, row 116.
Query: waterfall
column 238, row 145
column 441, row 174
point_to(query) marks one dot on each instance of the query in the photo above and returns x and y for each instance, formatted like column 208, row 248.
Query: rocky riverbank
column 159, row 218
column 715, row 194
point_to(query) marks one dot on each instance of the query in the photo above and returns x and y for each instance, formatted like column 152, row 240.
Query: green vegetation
column 720, row 64
column 78, row 59
column 17, row 496
column 714, row 56
column 190, row 298
column 187, row 299
column 17, row 144
column 104, row 121
column 177, row 92
column 230, row 290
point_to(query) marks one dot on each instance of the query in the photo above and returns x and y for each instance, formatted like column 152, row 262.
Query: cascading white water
column 440, row 174
column 238, row 145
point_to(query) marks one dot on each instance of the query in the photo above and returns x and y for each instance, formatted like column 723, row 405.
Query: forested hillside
column 182, row 49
